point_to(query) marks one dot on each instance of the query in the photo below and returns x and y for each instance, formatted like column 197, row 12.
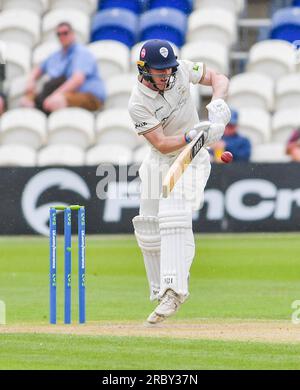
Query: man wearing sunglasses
column 73, row 75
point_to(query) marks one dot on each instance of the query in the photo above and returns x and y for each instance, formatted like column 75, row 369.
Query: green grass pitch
column 233, row 278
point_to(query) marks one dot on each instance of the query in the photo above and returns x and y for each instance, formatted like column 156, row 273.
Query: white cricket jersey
column 175, row 110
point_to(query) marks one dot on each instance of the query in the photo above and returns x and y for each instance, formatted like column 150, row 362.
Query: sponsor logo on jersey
column 140, row 124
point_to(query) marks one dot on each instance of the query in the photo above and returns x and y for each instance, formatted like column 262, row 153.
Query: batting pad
column 175, row 223
column 148, row 237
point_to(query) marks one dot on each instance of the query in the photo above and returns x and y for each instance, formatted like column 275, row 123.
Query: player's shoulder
column 139, row 96
column 193, row 71
column 136, row 101
column 187, row 65
column 135, row 96
column 183, row 63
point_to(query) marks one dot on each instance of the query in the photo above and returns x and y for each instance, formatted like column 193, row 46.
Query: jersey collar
column 147, row 91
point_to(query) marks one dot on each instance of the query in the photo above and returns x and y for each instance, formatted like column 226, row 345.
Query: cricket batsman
column 163, row 111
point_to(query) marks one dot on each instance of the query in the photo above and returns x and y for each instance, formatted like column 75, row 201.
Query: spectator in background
column 2, row 103
column 73, row 75
column 238, row 145
column 293, row 145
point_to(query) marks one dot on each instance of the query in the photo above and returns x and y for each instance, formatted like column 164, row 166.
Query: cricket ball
column 227, row 157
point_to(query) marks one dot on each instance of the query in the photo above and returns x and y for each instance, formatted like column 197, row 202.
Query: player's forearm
column 220, row 85
column 170, row 144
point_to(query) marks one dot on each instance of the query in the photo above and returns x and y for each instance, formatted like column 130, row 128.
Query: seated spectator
column 73, row 75
column 231, row 141
column 2, row 103
column 293, row 145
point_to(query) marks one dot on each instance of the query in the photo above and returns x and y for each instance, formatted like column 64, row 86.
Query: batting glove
column 218, row 112
column 214, row 133
column 191, row 134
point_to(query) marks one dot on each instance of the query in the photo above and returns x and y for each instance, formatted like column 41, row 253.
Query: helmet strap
column 146, row 75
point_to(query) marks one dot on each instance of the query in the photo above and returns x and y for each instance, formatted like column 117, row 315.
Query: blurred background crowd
column 68, row 68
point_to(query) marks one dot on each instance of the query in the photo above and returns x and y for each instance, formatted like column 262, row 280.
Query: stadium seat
column 288, row 91
column 19, row 26
column 112, row 57
column 255, row 124
column 135, row 52
column 185, row 6
column 213, row 54
column 53, row 155
column 212, row 25
column 274, row 58
column 234, row 6
column 43, row 51
column 86, row 6
column 18, row 58
column 135, row 6
column 72, row 126
column 79, row 20
column 115, row 126
column 286, row 24
column 252, row 90
column 115, row 24
column 15, row 91
column 164, row 23
column 284, row 122
column 24, row 126
column 37, row 6
column 114, row 154
column 17, row 156
column 270, row 152
column 119, row 89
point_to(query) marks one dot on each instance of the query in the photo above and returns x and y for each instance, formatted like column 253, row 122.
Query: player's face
column 161, row 77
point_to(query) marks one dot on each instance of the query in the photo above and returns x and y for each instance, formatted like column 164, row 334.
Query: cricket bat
column 184, row 159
